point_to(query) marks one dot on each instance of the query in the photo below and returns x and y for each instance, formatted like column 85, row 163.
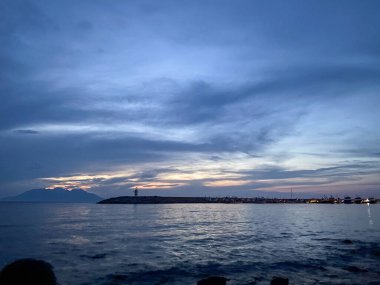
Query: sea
column 183, row 243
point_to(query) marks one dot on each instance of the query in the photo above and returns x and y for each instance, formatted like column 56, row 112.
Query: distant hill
column 55, row 195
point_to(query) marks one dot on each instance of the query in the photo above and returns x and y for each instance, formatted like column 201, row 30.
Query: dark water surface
column 179, row 244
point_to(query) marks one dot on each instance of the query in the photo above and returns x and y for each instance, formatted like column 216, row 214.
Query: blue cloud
column 142, row 85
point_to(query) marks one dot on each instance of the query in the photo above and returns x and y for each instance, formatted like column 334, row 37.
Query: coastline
column 219, row 200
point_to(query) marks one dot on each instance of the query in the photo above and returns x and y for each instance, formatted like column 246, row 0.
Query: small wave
column 148, row 277
column 296, row 266
column 95, row 256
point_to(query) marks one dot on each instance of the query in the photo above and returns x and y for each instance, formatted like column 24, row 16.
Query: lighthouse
column 136, row 192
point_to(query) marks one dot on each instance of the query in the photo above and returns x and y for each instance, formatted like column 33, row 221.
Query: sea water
column 182, row 243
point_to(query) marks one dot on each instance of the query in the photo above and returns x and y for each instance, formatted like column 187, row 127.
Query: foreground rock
column 214, row 280
column 279, row 281
column 28, row 271
column 347, row 241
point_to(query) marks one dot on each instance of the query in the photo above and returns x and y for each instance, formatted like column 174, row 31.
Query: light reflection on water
column 369, row 214
column 178, row 244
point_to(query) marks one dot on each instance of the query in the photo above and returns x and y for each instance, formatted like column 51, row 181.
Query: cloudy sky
column 190, row 97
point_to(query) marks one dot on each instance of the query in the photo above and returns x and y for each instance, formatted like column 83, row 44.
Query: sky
column 190, row 98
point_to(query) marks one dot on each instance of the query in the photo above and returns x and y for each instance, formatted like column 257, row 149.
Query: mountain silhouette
column 55, row 195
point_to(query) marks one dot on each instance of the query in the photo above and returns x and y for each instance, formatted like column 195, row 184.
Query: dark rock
column 214, row 280
column 279, row 281
column 355, row 269
column 28, row 271
column 347, row 241
column 118, row 277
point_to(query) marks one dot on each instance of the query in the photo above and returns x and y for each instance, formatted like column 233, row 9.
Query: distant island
column 57, row 195
column 228, row 200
